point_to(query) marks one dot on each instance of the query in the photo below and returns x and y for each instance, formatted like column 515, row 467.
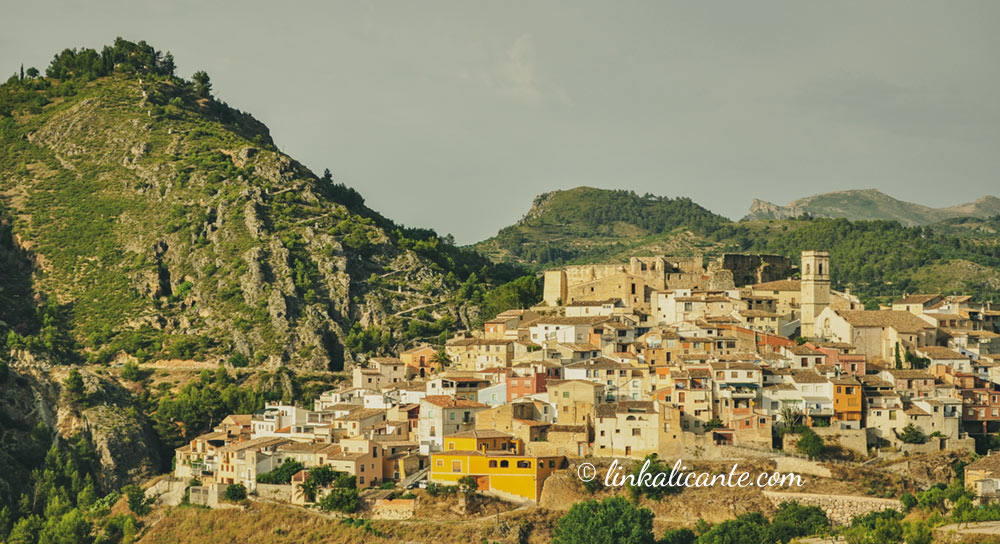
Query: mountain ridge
column 870, row 204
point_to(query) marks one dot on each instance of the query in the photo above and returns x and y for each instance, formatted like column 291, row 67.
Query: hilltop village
column 660, row 355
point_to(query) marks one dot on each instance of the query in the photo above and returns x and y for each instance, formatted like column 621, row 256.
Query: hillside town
column 657, row 356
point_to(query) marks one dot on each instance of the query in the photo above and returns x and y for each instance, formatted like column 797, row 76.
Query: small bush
column 236, row 493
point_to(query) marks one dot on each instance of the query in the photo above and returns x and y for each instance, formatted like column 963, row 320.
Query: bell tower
column 815, row 289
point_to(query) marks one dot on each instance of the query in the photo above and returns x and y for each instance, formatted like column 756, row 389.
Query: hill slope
column 143, row 216
column 877, row 259
column 871, row 204
column 584, row 224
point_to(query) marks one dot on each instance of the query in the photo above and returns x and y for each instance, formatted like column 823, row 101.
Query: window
column 456, row 466
column 504, row 464
column 552, row 463
column 523, row 464
column 636, row 432
column 493, row 463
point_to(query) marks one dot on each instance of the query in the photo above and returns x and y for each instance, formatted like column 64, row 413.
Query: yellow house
column 496, row 460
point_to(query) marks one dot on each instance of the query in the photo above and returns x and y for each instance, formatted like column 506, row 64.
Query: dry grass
column 279, row 524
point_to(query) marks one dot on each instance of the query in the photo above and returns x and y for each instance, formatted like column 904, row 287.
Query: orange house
column 847, row 402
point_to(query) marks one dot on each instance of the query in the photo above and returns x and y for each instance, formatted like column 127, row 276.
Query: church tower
column 815, row 289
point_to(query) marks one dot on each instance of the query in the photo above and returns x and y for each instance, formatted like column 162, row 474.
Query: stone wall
column 855, row 440
column 394, row 509
column 167, row 491
column 802, row 467
column 275, row 492
column 839, row 508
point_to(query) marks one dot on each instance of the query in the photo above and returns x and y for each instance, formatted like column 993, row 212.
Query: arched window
column 819, row 269
column 504, row 464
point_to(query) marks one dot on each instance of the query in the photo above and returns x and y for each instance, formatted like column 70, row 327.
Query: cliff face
column 762, row 209
column 158, row 221
column 37, row 412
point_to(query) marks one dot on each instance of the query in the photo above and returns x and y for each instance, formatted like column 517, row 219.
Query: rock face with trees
column 142, row 216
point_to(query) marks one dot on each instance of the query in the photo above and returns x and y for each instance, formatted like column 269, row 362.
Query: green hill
column 586, row 224
column 140, row 215
column 871, row 204
column 877, row 259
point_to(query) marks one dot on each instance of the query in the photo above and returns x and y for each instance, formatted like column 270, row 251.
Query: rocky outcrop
column 211, row 233
column 33, row 396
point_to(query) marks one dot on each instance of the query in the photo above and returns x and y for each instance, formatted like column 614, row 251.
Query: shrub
column 282, row 474
column 468, row 484
column 810, row 443
column 908, row 500
column 138, row 503
column 131, row 372
column 612, row 521
column 342, row 500
column 912, row 435
column 236, row 493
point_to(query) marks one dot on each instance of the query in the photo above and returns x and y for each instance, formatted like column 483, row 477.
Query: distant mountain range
column 871, row 204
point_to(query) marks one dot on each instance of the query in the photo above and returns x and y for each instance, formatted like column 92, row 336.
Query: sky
column 455, row 115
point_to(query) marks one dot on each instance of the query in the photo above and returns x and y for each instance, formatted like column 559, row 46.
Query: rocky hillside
column 110, row 441
column 143, row 217
column 871, row 204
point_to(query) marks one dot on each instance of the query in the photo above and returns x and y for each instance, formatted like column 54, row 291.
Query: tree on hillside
column 912, row 435
column 752, row 528
column 236, row 493
column 202, row 84
column 793, row 520
column 712, row 424
column 74, row 387
column 167, row 63
column 612, row 521
column 679, row 536
column 810, row 443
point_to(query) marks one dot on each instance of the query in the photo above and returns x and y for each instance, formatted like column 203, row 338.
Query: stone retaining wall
column 839, row 508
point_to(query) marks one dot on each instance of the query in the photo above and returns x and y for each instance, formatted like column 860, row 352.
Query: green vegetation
column 236, row 493
column 170, row 232
column 612, row 521
column 809, row 443
column 60, row 500
column 617, row 520
column 323, row 476
column 877, row 259
column 570, row 226
column 912, row 435
column 341, row 499
column 281, row 475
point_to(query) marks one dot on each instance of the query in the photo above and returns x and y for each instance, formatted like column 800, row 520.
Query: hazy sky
column 454, row 115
